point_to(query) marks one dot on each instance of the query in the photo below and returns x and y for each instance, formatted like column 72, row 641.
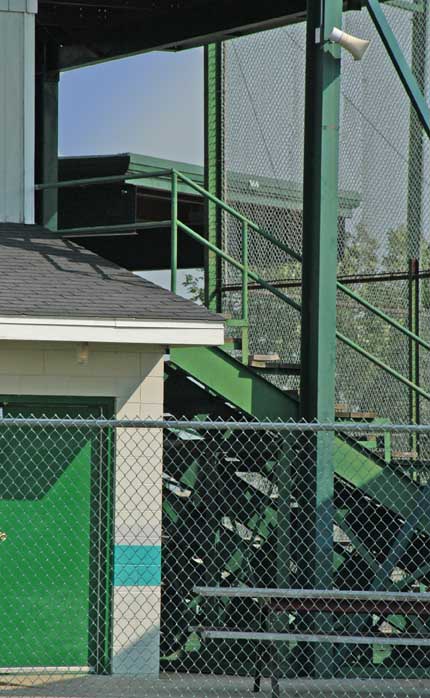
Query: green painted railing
column 247, row 274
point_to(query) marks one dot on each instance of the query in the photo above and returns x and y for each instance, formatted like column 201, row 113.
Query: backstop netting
column 383, row 249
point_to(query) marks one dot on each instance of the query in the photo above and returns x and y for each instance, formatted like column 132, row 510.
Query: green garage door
column 55, row 562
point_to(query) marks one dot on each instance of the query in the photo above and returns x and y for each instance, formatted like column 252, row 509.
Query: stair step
column 341, row 407
column 404, row 455
column 294, row 393
column 257, row 359
column 355, row 416
column 272, row 363
column 277, row 367
column 232, row 343
column 343, row 412
column 367, row 437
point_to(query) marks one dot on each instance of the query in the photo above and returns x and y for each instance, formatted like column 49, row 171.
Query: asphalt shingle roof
column 42, row 275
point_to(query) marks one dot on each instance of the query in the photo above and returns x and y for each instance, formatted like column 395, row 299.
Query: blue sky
column 150, row 104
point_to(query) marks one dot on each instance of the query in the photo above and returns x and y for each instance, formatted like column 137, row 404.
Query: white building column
column 17, row 113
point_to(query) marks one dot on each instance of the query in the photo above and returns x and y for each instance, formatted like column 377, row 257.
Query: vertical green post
column 245, row 328
column 318, row 341
column 46, row 155
column 174, row 233
column 414, row 349
column 415, row 204
column 213, row 170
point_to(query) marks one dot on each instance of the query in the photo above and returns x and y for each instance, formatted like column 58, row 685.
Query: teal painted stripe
column 137, row 565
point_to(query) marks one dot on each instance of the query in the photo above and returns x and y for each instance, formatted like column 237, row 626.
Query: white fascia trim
column 165, row 332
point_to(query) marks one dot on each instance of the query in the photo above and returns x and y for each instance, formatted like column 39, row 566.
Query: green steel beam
column 245, row 304
column 403, row 538
column 397, row 493
column 235, row 383
column 414, row 349
column 213, row 151
column 86, row 182
column 400, row 63
column 315, row 465
column 415, row 209
column 46, row 151
column 95, row 230
column 174, row 233
column 320, row 211
column 255, row 396
column 356, row 542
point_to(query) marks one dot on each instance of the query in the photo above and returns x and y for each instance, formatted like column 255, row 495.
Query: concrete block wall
column 133, row 375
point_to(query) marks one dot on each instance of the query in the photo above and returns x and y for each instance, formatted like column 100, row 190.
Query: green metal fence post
column 213, row 173
column 245, row 328
column 174, row 233
column 318, row 341
column 414, row 349
column 415, row 208
column 46, row 150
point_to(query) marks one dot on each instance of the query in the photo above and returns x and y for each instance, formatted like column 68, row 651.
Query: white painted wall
column 133, row 374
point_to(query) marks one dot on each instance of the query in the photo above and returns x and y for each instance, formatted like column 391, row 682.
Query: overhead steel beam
column 173, row 30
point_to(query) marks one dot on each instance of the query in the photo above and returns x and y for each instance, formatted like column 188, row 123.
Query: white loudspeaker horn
column 356, row 47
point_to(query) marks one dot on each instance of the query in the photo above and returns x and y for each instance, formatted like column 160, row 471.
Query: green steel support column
column 245, row 328
column 46, row 160
column 414, row 349
column 174, row 233
column 213, row 173
column 318, row 352
column 415, row 205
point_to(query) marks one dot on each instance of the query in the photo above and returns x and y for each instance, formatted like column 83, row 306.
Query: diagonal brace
column 400, row 63
column 403, row 538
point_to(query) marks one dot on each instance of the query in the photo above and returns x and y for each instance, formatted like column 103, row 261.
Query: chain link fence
column 384, row 216
column 170, row 558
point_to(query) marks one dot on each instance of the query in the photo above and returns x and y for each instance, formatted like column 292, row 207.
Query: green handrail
column 112, row 179
column 380, row 313
column 385, row 367
column 298, row 257
column 219, row 202
column 251, row 274
column 343, row 338
column 247, row 224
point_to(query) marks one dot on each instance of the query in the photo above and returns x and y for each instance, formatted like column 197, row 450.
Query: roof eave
column 113, row 331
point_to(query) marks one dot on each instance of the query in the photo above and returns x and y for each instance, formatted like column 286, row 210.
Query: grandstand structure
column 311, row 221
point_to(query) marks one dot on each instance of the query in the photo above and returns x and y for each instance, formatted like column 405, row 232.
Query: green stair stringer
column 235, row 382
column 258, row 398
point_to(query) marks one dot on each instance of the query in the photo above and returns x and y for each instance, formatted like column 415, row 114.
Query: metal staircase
column 374, row 492
column 211, row 383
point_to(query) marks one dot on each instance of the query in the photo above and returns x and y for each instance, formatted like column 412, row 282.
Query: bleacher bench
column 336, row 602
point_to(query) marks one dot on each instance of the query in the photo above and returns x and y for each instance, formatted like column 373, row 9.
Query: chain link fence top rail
column 208, row 558
column 384, row 217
